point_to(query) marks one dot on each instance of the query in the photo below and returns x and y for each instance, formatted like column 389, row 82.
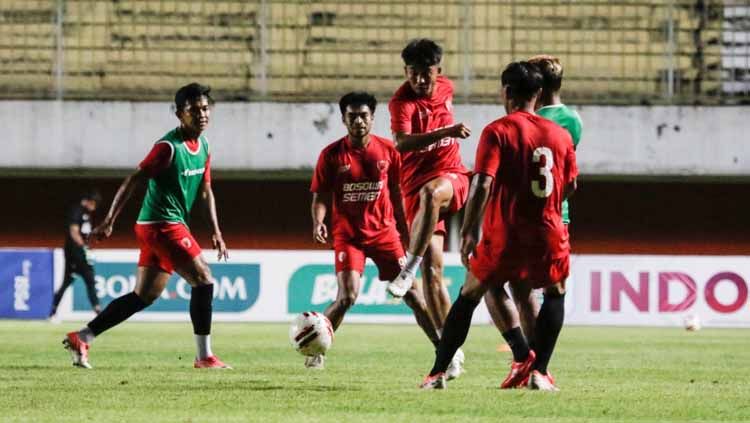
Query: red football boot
column 211, row 362
column 519, row 372
column 79, row 350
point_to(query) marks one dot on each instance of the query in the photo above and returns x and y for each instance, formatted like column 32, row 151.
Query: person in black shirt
column 78, row 225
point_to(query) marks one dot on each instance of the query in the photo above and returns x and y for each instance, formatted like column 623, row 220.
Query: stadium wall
column 258, row 285
column 677, row 141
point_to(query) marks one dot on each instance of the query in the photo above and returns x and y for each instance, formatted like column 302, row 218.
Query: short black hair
column 92, row 195
column 422, row 52
column 191, row 92
column 357, row 98
column 523, row 80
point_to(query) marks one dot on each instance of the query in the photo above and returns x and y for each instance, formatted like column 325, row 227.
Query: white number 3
column 544, row 172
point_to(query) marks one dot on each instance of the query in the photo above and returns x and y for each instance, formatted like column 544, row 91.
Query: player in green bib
column 178, row 172
column 505, row 313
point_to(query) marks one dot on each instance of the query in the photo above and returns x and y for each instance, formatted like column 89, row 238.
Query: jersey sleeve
column 322, row 180
column 75, row 216
column 207, row 173
column 401, row 113
column 394, row 171
column 488, row 153
column 158, row 159
column 571, row 167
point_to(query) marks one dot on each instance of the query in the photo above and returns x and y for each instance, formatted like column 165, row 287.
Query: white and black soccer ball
column 311, row 333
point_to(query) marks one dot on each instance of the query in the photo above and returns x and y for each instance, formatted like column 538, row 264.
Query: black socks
column 548, row 326
column 117, row 312
column 515, row 339
column 456, row 328
column 201, row 298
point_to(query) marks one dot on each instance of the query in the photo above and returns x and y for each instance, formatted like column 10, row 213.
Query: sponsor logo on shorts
column 342, row 256
column 186, row 242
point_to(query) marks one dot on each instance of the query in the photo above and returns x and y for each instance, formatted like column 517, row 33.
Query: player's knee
column 348, row 300
column 433, row 275
column 203, row 276
column 429, row 196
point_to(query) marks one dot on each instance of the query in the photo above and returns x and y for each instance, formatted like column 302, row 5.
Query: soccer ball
column 692, row 323
column 311, row 333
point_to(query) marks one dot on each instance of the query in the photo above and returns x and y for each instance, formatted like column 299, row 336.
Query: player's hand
column 320, row 233
column 468, row 248
column 220, row 246
column 459, row 130
column 103, row 231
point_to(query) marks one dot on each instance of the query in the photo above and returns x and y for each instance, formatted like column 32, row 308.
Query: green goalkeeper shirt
column 571, row 121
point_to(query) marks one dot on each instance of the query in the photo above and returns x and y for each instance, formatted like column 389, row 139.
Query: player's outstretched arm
column 475, row 206
column 411, row 142
column 216, row 239
column 318, row 209
column 128, row 186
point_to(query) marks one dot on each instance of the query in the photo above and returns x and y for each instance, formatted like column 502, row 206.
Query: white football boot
column 456, row 368
column 401, row 285
column 315, row 361
column 540, row 382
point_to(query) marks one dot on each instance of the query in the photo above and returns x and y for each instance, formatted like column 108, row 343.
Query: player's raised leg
column 434, row 197
column 150, row 282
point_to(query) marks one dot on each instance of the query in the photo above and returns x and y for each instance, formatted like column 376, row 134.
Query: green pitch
column 143, row 372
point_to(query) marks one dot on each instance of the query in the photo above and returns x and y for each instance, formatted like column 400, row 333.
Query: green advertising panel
column 313, row 287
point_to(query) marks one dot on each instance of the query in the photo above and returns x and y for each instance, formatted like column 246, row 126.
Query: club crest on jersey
column 344, row 168
column 382, row 165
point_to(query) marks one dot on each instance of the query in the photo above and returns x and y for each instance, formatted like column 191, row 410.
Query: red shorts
column 386, row 251
column 460, row 182
column 165, row 244
column 538, row 271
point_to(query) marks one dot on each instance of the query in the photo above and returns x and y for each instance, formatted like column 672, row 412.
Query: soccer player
column 504, row 312
column 77, row 230
column 361, row 173
column 434, row 180
column 178, row 172
column 525, row 167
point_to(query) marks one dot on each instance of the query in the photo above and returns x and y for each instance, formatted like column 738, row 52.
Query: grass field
column 143, row 372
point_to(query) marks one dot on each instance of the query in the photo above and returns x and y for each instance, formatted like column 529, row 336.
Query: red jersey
column 531, row 160
column 414, row 115
column 359, row 180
